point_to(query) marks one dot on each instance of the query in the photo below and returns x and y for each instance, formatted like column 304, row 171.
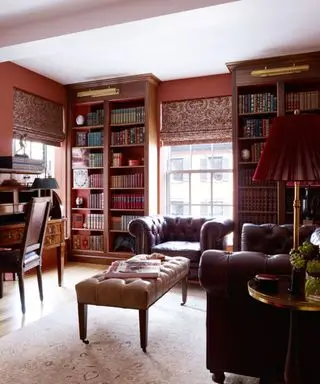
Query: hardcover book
column 145, row 269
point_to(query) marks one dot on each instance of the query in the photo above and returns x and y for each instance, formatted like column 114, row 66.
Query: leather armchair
column 272, row 238
column 179, row 236
column 245, row 336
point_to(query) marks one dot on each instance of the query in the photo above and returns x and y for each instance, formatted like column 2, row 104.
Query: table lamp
column 49, row 184
column 292, row 154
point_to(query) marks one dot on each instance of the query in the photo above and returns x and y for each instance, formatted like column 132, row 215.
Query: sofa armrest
column 148, row 231
column 227, row 274
column 213, row 234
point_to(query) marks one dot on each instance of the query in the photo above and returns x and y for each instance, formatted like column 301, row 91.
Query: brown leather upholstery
column 179, row 236
column 28, row 254
column 272, row 238
column 245, row 336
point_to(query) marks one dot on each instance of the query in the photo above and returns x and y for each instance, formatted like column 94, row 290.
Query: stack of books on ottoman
column 124, row 269
column 142, row 266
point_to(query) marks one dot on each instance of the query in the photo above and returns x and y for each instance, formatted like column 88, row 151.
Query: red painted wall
column 195, row 88
column 13, row 76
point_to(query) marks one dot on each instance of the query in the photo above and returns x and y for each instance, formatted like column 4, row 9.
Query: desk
column 54, row 238
column 294, row 373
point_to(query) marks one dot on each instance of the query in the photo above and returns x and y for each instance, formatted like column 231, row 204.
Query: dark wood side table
column 294, row 373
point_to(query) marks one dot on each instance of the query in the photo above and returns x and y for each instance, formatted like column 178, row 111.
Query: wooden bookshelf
column 126, row 171
column 256, row 101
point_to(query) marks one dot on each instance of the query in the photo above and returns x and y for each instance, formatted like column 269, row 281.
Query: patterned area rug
column 50, row 351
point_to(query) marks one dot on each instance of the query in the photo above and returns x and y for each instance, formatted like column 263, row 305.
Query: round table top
column 282, row 298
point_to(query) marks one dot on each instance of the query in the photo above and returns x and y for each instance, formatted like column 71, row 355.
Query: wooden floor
column 11, row 317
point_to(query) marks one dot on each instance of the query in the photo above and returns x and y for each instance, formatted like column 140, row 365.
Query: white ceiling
column 79, row 40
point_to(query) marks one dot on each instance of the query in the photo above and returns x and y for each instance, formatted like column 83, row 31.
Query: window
column 37, row 151
column 205, row 175
column 177, row 165
column 177, row 208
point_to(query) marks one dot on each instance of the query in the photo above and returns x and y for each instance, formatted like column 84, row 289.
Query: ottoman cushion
column 132, row 293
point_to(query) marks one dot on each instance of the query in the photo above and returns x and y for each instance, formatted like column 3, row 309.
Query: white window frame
column 187, row 175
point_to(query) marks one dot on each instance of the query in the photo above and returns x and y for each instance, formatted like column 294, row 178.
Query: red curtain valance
column 196, row 121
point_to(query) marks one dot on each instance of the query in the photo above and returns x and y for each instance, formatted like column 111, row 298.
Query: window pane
column 200, row 193
column 37, row 151
column 178, row 208
column 222, row 187
column 179, row 191
column 179, row 157
column 200, row 155
column 199, row 180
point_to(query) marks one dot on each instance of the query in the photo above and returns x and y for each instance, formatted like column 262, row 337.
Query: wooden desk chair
column 27, row 254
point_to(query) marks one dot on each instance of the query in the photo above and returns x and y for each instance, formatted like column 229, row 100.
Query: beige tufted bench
column 131, row 293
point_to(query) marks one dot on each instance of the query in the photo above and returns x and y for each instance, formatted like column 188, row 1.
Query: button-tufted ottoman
column 131, row 293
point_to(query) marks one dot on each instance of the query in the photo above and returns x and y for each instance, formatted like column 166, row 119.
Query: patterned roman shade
column 39, row 119
column 196, row 121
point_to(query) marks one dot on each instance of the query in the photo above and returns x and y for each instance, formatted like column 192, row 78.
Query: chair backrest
column 183, row 228
column 36, row 223
column 272, row 239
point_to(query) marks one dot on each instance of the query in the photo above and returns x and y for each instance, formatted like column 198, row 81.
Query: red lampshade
column 292, row 150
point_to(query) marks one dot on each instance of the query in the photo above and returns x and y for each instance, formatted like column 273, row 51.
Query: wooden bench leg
column 143, row 323
column 184, row 286
column 83, row 320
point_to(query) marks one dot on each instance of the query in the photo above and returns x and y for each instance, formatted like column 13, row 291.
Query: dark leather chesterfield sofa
column 179, row 236
column 244, row 336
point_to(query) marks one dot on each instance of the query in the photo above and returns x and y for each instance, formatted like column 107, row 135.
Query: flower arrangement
column 307, row 257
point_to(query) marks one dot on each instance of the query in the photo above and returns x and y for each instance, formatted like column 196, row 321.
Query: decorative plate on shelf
column 80, row 120
column 80, row 178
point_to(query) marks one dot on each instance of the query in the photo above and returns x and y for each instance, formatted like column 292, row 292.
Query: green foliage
column 306, row 256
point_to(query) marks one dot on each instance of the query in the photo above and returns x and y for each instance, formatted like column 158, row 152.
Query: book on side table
column 145, row 269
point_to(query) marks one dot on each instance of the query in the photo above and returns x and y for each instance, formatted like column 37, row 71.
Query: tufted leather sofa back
column 272, row 239
column 177, row 228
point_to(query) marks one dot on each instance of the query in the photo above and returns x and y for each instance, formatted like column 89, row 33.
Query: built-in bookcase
column 257, row 106
column 87, row 181
column 256, row 102
column 127, row 166
column 113, row 165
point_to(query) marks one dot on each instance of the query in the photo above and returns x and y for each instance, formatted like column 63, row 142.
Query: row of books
column 89, row 221
column 96, row 200
column 134, row 135
column 127, row 201
column 90, row 139
column 122, row 222
column 96, row 180
column 258, row 199
column 245, row 178
column 133, row 180
column 303, row 100
column 95, row 159
column 257, row 127
column 257, row 102
column 94, row 117
column 83, row 158
column 88, row 242
column 117, row 159
column 127, row 115
column 94, row 221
